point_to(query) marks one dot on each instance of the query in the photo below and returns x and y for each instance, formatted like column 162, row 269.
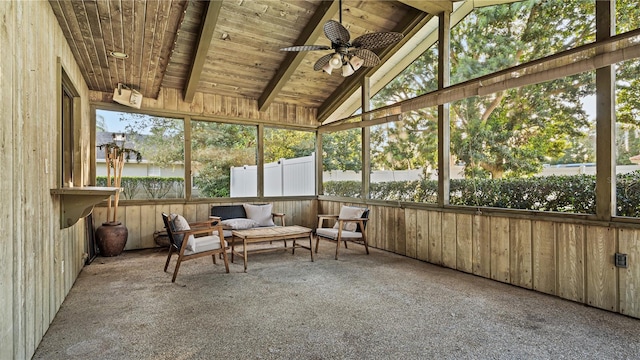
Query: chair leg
column 337, row 247
column 175, row 272
column 366, row 246
column 226, row 260
column 166, row 265
column 317, row 241
column 214, row 258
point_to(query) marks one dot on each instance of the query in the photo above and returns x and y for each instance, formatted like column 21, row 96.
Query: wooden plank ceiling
column 228, row 47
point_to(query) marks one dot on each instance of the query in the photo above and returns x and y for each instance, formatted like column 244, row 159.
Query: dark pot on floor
column 111, row 238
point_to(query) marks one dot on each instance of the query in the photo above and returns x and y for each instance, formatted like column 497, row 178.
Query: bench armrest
column 278, row 215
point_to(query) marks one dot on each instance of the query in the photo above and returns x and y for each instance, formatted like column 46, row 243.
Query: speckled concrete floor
column 381, row 306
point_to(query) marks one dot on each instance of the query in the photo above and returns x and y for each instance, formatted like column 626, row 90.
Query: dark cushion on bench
column 225, row 212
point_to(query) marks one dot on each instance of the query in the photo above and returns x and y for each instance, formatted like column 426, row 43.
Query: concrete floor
column 381, row 306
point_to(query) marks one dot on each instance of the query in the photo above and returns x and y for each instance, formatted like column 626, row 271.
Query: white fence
column 290, row 177
column 287, row 177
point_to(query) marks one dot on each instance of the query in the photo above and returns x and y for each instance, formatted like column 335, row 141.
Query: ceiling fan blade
column 377, row 40
column 306, row 48
column 369, row 57
column 322, row 62
column 337, row 33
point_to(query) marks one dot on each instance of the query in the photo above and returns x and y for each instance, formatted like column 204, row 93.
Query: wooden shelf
column 78, row 202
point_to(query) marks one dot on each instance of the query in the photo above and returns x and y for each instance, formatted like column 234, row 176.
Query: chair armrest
column 196, row 231
column 322, row 218
column 279, row 215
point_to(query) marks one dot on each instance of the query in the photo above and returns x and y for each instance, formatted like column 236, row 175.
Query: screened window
column 527, row 148
column 627, row 15
column 160, row 141
column 417, row 79
column 342, row 163
column 404, row 158
column 497, row 37
column 223, row 160
column 289, row 162
column 628, row 138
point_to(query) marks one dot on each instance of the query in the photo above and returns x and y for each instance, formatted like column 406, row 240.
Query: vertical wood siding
column 40, row 260
column 569, row 260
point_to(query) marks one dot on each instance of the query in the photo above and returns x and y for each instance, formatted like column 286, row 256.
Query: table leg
column 233, row 242
column 311, row 246
column 244, row 253
column 293, row 248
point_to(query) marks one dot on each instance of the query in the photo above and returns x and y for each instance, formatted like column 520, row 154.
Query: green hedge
column 148, row 187
column 574, row 194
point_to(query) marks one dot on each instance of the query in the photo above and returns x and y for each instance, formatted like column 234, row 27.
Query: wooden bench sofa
column 245, row 216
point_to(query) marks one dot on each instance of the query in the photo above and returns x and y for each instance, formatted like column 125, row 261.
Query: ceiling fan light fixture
column 336, row 61
column 327, row 68
column 347, row 69
column 356, row 63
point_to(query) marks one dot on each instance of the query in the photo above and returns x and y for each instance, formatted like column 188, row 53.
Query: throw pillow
column 179, row 224
column 239, row 224
column 260, row 213
column 349, row 212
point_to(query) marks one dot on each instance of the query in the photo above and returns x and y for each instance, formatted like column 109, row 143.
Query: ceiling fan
column 349, row 56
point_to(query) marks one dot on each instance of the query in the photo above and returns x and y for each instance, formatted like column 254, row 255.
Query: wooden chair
column 349, row 227
column 187, row 245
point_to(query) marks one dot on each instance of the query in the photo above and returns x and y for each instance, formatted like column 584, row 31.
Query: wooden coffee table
column 264, row 234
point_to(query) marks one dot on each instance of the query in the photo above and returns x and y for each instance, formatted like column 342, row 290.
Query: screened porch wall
column 555, row 255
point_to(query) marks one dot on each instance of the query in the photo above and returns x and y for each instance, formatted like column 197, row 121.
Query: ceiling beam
column 430, row 7
column 409, row 26
column 207, row 26
column 309, row 35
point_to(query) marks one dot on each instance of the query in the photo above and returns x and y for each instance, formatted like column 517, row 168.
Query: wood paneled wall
column 567, row 259
column 220, row 106
column 143, row 220
column 40, row 262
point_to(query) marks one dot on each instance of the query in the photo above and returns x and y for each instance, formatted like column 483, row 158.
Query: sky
column 112, row 121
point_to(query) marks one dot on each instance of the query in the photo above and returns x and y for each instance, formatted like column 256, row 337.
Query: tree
column 287, row 144
column 215, row 148
column 404, row 145
column 342, row 150
column 160, row 139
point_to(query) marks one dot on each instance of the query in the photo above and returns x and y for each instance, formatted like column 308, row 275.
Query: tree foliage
column 159, row 139
column 510, row 133
column 215, row 148
column 342, row 150
column 287, row 144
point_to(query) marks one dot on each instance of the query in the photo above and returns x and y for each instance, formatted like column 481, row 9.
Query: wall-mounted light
column 118, row 54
